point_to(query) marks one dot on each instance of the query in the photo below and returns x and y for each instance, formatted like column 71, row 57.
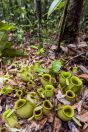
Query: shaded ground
column 72, row 56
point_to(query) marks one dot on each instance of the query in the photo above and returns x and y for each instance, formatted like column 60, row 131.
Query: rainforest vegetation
column 43, row 65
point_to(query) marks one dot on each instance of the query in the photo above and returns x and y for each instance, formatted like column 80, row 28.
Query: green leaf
column 6, row 27
column 40, row 51
column 34, row 46
column 61, row 5
column 38, row 68
column 6, row 90
column 56, row 66
column 53, row 6
column 76, row 121
column 3, row 36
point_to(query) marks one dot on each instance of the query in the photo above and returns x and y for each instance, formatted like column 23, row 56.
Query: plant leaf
column 56, row 65
column 53, row 6
column 6, row 27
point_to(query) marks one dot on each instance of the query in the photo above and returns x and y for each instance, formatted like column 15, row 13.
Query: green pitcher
column 75, row 84
column 37, row 113
column 70, row 95
column 10, row 118
column 49, row 91
column 64, row 79
column 47, row 106
column 46, row 79
column 65, row 113
column 24, row 108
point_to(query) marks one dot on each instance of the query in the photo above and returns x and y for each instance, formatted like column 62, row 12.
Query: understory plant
column 38, row 113
column 25, row 74
column 24, row 108
column 41, row 92
column 64, row 79
column 76, row 84
column 31, row 84
column 6, row 90
column 65, row 112
column 10, row 118
column 46, row 79
column 7, row 48
column 70, row 95
column 49, row 91
column 32, row 97
column 38, row 102
column 19, row 93
column 47, row 106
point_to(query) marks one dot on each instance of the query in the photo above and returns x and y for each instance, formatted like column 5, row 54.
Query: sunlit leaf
column 53, row 6
column 56, row 65
column 6, row 26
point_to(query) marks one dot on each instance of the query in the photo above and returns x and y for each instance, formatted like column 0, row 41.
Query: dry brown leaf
column 83, row 118
column 12, row 82
column 57, row 125
column 80, row 45
column 42, row 122
column 83, row 68
column 65, row 49
column 84, row 76
column 60, row 97
column 50, row 117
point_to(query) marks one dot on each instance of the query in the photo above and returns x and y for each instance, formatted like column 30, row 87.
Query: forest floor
column 9, row 75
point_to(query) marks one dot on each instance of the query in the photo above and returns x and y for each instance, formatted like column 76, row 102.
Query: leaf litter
column 51, row 119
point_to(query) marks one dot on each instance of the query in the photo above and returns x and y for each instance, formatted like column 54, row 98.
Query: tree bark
column 72, row 20
column 39, row 16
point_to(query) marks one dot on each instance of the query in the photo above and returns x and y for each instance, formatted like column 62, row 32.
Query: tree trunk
column 39, row 16
column 72, row 20
column 45, row 13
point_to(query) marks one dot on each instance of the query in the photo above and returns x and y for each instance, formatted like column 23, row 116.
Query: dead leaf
column 50, row 117
column 1, row 82
column 84, row 76
column 0, row 108
column 84, row 69
column 12, row 82
column 65, row 49
column 42, row 122
column 57, row 125
column 83, row 118
column 60, row 97
column 85, row 130
column 73, row 127
column 78, row 106
column 80, row 45
column 53, row 47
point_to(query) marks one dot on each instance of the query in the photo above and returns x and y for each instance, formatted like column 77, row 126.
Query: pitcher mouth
column 70, row 94
column 68, row 111
column 76, row 81
column 20, row 103
column 40, row 90
column 46, row 77
column 38, row 112
column 66, row 74
column 47, row 104
column 49, row 87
